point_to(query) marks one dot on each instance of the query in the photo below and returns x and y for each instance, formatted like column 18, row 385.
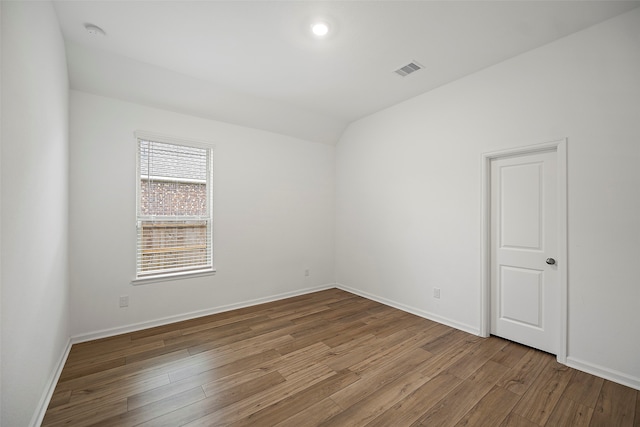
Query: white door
column 525, row 294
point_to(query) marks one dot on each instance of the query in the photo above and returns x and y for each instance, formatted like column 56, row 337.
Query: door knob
column 551, row 261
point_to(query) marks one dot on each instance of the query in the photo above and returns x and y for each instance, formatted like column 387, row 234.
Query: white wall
column 35, row 319
column 408, row 190
column 273, row 216
column 0, row 213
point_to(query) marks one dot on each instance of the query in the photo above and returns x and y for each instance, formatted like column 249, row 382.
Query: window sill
column 174, row 276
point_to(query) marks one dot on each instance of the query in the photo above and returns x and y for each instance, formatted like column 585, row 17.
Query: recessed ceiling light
column 94, row 30
column 320, row 29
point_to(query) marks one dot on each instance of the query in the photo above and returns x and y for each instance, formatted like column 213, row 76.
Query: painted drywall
column 100, row 72
column 35, row 291
column 408, row 188
column 273, row 216
column 0, row 214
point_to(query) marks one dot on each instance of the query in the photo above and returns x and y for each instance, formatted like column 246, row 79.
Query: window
column 174, row 208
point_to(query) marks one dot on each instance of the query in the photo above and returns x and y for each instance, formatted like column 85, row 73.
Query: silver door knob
column 551, row 261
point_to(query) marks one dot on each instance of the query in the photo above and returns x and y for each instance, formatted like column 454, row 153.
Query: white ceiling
column 255, row 63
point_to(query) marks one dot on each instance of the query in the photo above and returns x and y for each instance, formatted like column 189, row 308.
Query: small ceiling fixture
column 320, row 29
column 411, row 67
column 94, row 30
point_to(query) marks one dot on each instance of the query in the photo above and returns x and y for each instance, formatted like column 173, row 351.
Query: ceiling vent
column 411, row 67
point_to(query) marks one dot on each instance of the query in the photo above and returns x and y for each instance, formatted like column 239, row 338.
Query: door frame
column 560, row 147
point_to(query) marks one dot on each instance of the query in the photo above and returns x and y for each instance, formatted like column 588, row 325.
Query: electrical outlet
column 436, row 293
column 124, row 301
column 306, row 272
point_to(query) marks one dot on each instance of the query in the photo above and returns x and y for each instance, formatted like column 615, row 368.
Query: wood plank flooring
column 326, row 359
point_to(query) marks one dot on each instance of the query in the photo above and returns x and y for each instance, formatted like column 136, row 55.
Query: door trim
column 560, row 147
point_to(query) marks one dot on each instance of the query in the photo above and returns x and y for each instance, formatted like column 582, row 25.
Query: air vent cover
column 411, row 67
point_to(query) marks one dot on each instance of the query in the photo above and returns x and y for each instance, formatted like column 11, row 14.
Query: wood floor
column 326, row 359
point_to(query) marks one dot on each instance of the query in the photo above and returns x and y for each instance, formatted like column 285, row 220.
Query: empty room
column 301, row 213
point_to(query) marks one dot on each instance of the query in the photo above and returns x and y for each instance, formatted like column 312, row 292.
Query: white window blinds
column 174, row 221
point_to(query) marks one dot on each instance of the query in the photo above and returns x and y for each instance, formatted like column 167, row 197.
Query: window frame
column 176, row 275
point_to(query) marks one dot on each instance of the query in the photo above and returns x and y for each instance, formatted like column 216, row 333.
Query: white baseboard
column 105, row 333
column 602, row 372
column 38, row 416
column 427, row 315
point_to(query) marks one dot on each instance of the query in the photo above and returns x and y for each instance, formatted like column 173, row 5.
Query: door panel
column 524, row 288
column 520, row 295
column 520, row 206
